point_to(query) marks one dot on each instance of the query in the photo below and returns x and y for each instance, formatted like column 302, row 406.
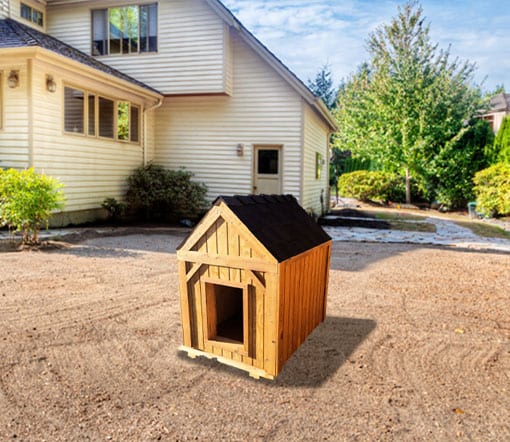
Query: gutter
column 158, row 104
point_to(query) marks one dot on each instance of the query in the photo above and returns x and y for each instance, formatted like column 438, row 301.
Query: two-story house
column 89, row 90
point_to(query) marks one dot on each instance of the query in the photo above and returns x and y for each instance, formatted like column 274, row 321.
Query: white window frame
column 32, row 9
column 104, row 34
column 86, row 123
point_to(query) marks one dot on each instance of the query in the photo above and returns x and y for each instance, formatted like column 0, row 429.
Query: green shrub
column 457, row 162
column 371, row 186
column 27, row 200
column 114, row 208
column 492, row 190
column 502, row 142
column 157, row 193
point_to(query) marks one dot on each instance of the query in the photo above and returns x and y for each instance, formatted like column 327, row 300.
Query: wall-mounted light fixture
column 240, row 150
column 13, row 79
column 50, row 84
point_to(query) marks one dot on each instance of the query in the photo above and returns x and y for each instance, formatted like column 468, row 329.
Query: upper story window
column 31, row 14
column 125, row 30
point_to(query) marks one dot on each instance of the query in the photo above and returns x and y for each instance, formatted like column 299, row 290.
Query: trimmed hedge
column 372, row 186
column 492, row 190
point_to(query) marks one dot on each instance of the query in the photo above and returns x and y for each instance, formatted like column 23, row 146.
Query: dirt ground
column 416, row 346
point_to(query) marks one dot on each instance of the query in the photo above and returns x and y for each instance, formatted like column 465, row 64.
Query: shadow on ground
column 319, row 358
column 325, row 351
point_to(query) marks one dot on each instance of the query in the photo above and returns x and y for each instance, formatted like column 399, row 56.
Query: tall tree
column 408, row 101
column 322, row 86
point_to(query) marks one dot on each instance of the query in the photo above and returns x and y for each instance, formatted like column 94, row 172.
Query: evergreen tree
column 322, row 87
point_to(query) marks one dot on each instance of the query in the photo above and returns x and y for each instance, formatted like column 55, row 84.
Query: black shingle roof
column 16, row 35
column 278, row 222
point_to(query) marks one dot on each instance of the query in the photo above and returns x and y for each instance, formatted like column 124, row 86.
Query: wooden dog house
column 253, row 282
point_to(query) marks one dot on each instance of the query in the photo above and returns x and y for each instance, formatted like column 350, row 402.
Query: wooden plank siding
column 14, row 127
column 315, row 141
column 303, row 292
column 239, row 265
column 192, row 46
column 201, row 133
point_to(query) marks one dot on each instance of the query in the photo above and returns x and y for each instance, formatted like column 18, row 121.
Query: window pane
column 123, row 121
column 149, row 28
column 73, row 110
column 131, row 27
column 92, row 114
column 135, row 124
column 268, row 161
column 37, row 17
column 106, row 118
column 26, row 12
column 115, row 22
column 99, row 32
column 318, row 165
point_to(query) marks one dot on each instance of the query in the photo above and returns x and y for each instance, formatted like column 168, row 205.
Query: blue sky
column 306, row 34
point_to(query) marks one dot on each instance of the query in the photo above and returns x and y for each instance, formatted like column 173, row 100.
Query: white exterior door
column 267, row 174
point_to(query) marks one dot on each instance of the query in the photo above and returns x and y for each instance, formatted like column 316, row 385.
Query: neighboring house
column 89, row 90
column 499, row 107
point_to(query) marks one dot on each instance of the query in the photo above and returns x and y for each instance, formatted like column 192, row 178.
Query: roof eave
column 275, row 63
column 76, row 66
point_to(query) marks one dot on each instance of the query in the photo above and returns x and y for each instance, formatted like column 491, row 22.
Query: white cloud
column 305, row 34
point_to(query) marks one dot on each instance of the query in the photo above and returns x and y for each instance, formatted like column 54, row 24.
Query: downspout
column 150, row 109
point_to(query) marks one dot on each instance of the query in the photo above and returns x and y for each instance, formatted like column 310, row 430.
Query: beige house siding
column 91, row 168
column 14, row 127
column 201, row 133
column 315, row 141
column 150, row 137
column 4, row 8
column 497, row 120
column 11, row 8
column 192, row 46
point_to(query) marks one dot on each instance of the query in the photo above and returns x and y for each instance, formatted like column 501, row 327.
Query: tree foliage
column 322, row 86
column 453, row 168
column 492, row 189
column 27, row 200
column 400, row 109
column 501, row 148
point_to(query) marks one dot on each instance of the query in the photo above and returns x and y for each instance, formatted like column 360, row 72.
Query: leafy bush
column 27, row 200
column 371, row 186
column 157, row 193
column 457, row 162
column 492, row 190
column 502, row 142
column 115, row 208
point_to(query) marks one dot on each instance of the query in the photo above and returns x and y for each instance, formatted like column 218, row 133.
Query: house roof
column 16, row 35
column 278, row 222
column 500, row 103
column 275, row 62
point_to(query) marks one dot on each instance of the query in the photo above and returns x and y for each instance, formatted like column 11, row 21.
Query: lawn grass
column 412, row 226
column 396, row 216
column 484, row 230
column 404, row 221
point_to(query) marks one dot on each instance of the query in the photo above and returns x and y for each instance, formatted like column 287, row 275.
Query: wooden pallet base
column 254, row 372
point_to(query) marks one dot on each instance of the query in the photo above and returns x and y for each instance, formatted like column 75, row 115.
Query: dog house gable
column 230, row 270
